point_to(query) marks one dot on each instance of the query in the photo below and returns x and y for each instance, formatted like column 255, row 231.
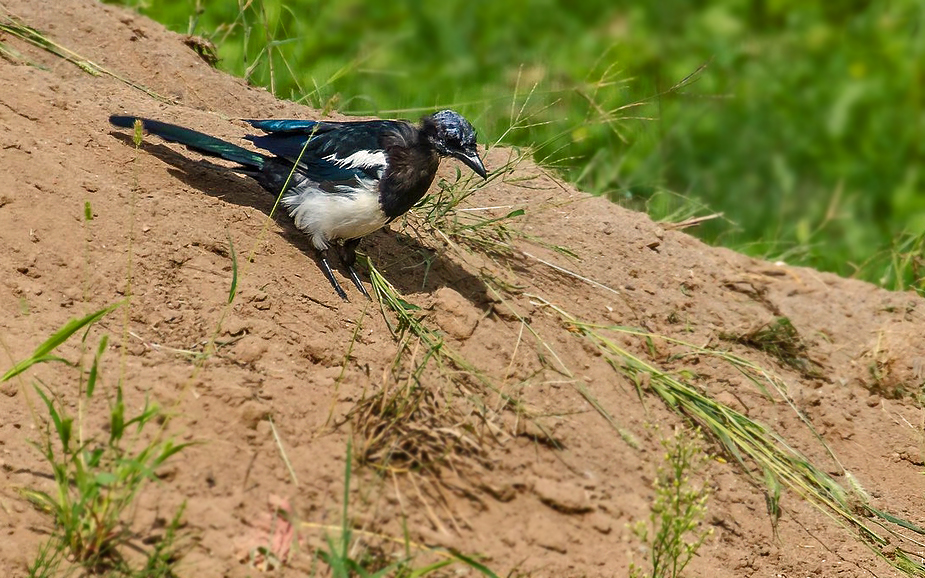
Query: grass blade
column 94, row 369
column 234, row 270
column 472, row 564
column 41, row 352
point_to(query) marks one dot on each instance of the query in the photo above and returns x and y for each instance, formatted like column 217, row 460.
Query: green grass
column 804, row 128
column 97, row 477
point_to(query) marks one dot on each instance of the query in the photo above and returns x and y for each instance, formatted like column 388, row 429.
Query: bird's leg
column 326, row 268
column 348, row 257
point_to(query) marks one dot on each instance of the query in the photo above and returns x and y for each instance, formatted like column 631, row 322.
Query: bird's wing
column 335, row 151
column 286, row 125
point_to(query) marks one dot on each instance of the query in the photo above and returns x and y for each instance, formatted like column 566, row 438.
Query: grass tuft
column 407, row 428
column 781, row 340
column 97, row 478
column 906, row 267
column 346, row 557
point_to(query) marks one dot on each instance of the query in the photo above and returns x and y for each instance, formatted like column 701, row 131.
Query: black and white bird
column 350, row 178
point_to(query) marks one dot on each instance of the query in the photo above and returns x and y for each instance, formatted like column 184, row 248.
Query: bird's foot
column 348, row 256
column 326, row 268
column 356, row 281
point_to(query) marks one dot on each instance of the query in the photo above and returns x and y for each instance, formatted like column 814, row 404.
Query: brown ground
column 556, row 509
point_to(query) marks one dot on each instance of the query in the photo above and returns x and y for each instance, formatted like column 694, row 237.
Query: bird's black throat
column 412, row 167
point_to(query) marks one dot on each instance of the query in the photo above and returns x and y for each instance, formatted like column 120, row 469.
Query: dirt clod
column 565, row 497
column 252, row 413
column 455, row 314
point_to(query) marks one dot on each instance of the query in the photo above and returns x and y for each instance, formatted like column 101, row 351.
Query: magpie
column 348, row 179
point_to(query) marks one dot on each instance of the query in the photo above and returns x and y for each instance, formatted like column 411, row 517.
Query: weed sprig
column 96, row 478
column 673, row 533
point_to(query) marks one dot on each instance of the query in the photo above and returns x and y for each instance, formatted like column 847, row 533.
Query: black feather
column 197, row 141
column 340, row 139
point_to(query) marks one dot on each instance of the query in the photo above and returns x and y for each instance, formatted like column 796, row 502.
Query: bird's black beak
column 471, row 159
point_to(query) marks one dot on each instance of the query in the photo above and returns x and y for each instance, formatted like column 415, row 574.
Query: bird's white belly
column 326, row 217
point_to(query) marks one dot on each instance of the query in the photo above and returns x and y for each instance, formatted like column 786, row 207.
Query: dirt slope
column 549, row 487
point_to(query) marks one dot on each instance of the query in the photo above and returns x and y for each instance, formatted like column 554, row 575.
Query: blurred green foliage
column 804, row 128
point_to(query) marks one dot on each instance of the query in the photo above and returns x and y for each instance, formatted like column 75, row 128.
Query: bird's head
column 451, row 135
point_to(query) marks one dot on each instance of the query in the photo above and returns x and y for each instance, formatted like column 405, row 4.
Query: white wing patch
column 362, row 159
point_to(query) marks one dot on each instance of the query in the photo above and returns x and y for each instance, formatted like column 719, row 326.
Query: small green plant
column 97, row 480
column 673, row 532
column 96, row 476
column 337, row 556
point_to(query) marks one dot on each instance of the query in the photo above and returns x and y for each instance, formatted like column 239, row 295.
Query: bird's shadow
column 408, row 264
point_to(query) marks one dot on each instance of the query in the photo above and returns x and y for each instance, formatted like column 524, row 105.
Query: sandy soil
column 544, row 485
